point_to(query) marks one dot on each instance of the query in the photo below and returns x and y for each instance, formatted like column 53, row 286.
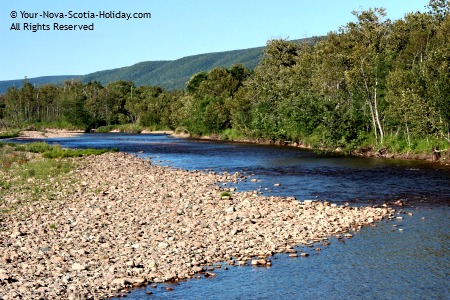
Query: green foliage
column 43, row 169
column 173, row 75
column 27, row 176
column 375, row 83
column 399, row 144
column 105, row 129
column 36, row 147
column 231, row 134
column 225, row 194
column 51, row 151
column 208, row 108
column 9, row 134
column 130, row 128
column 9, row 157
column 58, row 152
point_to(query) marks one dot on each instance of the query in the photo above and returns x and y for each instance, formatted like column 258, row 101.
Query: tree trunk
column 380, row 128
column 408, row 135
column 369, row 101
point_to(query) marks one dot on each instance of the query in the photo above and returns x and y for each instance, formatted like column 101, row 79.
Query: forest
column 373, row 83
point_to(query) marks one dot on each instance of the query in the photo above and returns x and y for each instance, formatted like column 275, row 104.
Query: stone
column 119, row 281
column 153, row 224
column 258, row 262
column 230, row 210
column 78, row 267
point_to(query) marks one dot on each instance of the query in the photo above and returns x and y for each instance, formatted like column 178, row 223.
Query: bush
column 130, row 128
column 105, row 129
column 231, row 134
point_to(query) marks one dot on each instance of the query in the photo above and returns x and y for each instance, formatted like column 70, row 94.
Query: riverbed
column 407, row 258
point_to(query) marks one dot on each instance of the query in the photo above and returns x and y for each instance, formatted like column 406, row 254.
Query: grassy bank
column 9, row 134
column 31, row 172
column 394, row 146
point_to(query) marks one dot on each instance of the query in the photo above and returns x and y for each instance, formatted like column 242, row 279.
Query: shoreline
column 119, row 222
column 49, row 133
column 362, row 152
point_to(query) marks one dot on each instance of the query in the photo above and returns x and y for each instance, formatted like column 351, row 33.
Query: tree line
column 374, row 82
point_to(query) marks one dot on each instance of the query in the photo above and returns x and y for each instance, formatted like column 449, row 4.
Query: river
column 407, row 258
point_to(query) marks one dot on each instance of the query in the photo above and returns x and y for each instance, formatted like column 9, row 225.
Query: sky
column 176, row 28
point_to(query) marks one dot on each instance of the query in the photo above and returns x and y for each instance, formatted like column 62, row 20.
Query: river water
column 408, row 258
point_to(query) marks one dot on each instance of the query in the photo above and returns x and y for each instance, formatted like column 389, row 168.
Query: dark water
column 401, row 259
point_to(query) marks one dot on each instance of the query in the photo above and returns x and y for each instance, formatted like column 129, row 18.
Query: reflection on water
column 408, row 261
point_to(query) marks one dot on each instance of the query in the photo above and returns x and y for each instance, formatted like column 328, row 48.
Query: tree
column 2, row 111
column 109, row 104
column 195, row 81
column 49, row 105
column 210, row 99
column 13, row 106
column 271, row 83
column 440, row 9
column 370, row 62
column 73, row 104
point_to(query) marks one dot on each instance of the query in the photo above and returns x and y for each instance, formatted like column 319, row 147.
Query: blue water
column 400, row 259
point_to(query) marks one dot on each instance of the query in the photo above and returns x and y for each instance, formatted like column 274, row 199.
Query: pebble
column 154, row 224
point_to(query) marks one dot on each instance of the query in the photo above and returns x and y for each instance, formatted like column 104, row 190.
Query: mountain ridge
column 168, row 74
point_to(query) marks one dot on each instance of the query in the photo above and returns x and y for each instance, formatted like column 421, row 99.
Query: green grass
column 55, row 151
column 9, row 134
column 400, row 144
column 225, row 194
column 43, row 169
column 26, row 176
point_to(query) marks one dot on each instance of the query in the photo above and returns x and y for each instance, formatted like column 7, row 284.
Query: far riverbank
column 434, row 155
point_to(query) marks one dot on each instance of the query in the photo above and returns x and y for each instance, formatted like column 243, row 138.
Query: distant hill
column 4, row 85
column 172, row 74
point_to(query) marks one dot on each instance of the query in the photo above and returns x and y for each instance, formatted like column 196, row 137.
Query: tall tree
column 370, row 62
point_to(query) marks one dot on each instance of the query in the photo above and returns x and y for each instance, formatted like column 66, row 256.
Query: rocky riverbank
column 49, row 133
column 117, row 221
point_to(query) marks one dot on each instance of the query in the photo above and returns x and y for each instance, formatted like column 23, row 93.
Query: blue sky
column 177, row 28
